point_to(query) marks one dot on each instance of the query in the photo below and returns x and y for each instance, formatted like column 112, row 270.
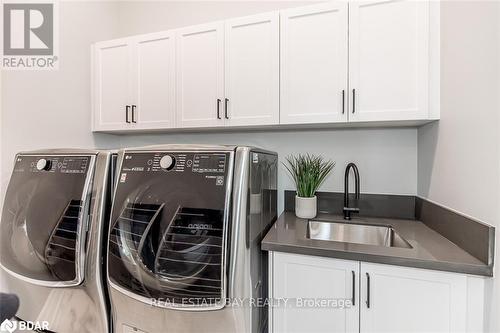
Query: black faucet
column 348, row 210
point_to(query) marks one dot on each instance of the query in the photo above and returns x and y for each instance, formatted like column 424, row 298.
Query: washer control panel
column 52, row 164
column 167, row 162
column 194, row 162
column 214, row 163
column 43, row 164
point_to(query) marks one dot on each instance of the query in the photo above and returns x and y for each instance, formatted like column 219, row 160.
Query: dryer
column 53, row 234
column 184, row 238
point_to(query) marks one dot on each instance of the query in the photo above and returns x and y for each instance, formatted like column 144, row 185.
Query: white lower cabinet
column 386, row 298
column 401, row 299
column 300, row 279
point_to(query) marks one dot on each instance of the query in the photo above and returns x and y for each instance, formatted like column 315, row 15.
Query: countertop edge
column 479, row 270
column 288, row 234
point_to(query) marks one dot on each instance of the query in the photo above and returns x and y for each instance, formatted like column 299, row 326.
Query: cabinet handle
column 225, row 108
column 353, row 288
column 218, row 108
column 133, row 113
column 367, row 290
column 343, row 101
column 353, row 100
column 127, row 107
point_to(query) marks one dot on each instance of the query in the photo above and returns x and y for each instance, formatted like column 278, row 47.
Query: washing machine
column 184, row 240
column 53, row 238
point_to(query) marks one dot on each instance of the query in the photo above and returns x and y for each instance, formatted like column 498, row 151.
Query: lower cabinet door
column 400, row 299
column 314, row 294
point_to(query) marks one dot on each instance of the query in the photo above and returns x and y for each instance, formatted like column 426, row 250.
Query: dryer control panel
column 52, row 164
column 175, row 162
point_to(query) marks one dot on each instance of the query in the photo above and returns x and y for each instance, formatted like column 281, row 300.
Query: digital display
column 209, row 163
column 74, row 164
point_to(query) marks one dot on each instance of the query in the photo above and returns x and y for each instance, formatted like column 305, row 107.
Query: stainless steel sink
column 355, row 233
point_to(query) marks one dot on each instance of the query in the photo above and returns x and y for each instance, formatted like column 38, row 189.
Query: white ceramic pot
column 305, row 208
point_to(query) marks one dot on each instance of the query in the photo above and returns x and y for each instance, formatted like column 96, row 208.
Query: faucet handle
column 348, row 211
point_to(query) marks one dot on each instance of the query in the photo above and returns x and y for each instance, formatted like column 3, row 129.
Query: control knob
column 167, row 162
column 43, row 164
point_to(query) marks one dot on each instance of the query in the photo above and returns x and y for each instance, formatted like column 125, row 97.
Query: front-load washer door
column 168, row 228
column 44, row 218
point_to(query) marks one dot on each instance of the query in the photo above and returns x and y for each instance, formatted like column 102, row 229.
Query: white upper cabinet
column 314, row 64
column 399, row 299
column 252, row 70
column 297, row 277
column 200, row 76
column 112, row 63
column 369, row 61
column 154, row 81
column 388, row 60
column 133, row 82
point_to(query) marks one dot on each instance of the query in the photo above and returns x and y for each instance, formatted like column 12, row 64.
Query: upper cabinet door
column 296, row 277
column 400, row 299
column 252, row 70
column 388, row 60
column 200, row 76
column 112, row 61
column 154, row 75
column 314, row 64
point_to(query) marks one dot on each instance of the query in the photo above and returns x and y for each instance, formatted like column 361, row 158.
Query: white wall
column 387, row 158
column 459, row 157
column 137, row 17
column 44, row 109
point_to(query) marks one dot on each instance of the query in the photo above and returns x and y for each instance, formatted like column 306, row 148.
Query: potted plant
column 308, row 173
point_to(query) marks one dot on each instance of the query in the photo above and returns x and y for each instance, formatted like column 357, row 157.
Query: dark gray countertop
column 429, row 249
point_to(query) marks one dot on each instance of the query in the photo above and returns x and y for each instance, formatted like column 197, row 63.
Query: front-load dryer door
column 44, row 219
column 169, row 226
